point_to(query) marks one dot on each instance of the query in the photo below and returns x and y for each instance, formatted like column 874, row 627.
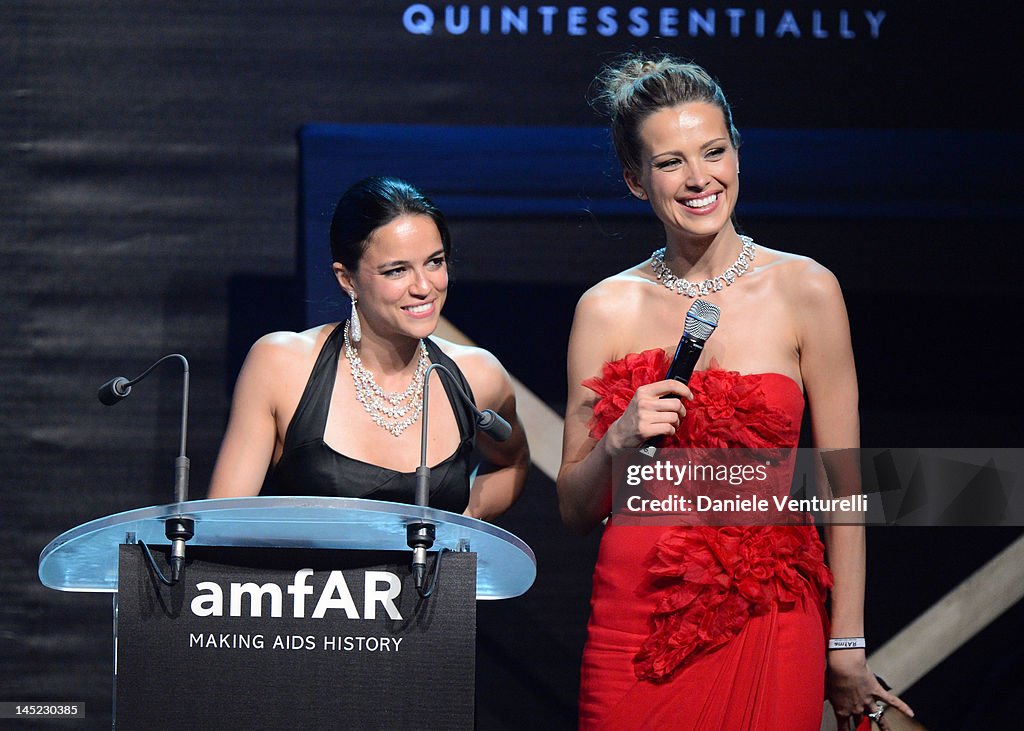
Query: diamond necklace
column 716, row 284
column 394, row 412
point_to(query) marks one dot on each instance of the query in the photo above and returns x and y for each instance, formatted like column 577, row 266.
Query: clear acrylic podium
column 85, row 558
column 160, row 643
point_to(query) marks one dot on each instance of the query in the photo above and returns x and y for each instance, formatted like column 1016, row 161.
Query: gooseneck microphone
column 701, row 320
column 178, row 529
column 114, row 390
column 420, row 534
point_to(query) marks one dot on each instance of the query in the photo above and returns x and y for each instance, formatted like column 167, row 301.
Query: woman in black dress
column 331, row 410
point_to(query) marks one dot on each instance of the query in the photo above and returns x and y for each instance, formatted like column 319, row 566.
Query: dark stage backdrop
column 149, row 195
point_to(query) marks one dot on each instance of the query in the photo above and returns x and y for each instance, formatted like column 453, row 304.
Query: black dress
column 308, row 466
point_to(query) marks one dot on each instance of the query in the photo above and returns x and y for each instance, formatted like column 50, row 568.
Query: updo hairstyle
column 374, row 202
column 635, row 86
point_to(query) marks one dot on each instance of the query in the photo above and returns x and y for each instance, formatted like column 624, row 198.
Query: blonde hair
column 634, row 86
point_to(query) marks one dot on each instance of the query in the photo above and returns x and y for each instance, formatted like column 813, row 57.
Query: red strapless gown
column 700, row 627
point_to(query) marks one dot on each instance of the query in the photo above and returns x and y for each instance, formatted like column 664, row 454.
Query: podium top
column 85, row 558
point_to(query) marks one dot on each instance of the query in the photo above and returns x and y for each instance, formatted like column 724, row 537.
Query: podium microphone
column 178, row 529
column 701, row 320
column 420, row 534
column 114, row 390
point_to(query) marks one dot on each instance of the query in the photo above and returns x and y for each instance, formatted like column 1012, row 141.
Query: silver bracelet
column 847, row 643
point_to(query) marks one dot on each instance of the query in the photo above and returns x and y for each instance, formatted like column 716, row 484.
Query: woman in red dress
column 706, row 627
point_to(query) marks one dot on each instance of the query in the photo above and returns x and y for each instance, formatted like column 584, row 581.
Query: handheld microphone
column 178, row 529
column 701, row 320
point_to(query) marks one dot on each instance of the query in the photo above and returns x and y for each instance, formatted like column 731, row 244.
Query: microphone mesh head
column 701, row 320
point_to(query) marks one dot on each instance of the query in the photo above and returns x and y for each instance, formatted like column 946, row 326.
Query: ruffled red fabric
column 617, row 383
column 709, row 580
column 729, row 409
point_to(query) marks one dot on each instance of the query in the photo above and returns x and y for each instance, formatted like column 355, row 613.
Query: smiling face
column 688, row 170
column 402, row 279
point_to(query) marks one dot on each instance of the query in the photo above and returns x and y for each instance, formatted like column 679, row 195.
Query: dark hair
column 635, row 86
column 374, row 202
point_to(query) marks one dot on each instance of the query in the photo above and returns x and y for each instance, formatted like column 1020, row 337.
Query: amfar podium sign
column 294, row 638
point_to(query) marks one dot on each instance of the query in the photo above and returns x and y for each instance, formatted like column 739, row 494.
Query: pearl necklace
column 717, row 284
column 393, row 412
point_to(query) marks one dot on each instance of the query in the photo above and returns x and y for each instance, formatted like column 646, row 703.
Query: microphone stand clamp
column 420, row 535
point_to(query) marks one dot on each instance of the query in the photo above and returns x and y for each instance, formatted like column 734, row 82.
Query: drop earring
column 353, row 319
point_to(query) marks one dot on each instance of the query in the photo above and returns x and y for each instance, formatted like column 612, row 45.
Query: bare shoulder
column 471, row 359
column 485, row 373
column 607, row 322
column 610, row 292
column 283, row 350
column 811, row 296
column 613, row 300
column 801, row 279
column 295, row 343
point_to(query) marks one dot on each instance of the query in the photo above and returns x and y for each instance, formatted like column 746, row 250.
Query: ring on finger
column 877, row 715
